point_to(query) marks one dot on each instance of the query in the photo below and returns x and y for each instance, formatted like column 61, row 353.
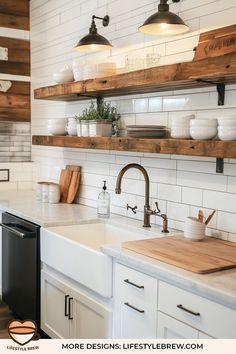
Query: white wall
column 181, row 184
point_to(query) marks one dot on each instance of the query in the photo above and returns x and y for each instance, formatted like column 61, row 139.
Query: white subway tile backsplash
column 226, row 222
column 201, row 180
column 155, row 104
column 169, row 192
column 181, row 184
column 192, row 196
column 177, row 211
column 220, row 201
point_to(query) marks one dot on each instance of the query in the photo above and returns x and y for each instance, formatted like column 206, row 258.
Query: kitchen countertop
column 219, row 286
column 24, row 204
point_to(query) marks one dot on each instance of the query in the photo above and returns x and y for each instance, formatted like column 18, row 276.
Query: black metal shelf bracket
column 220, row 87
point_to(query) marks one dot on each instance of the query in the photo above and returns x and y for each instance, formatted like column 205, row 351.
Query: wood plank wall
column 14, row 14
column 15, row 103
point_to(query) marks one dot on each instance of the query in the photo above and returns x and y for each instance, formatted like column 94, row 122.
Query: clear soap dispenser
column 104, row 203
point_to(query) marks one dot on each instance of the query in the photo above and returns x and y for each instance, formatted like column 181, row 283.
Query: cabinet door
column 91, row 319
column 53, row 303
column 170, row 328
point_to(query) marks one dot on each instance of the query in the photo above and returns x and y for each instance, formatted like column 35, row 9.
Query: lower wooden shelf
column 210, row 148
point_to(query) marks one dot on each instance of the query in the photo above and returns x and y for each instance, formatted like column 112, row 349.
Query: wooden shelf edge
column 207, row 148
column 184, row 75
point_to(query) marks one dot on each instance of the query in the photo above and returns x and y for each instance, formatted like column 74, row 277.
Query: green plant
column 107, row 112
column 90, row 113
column 103, row 111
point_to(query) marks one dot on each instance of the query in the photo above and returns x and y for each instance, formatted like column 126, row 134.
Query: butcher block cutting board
column 208, row 256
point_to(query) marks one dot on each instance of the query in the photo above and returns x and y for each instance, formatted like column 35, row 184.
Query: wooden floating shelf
column 209, row 148
column 205, row 72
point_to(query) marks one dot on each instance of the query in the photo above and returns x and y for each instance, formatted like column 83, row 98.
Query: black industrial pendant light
column 94, row 42
column 164, row 22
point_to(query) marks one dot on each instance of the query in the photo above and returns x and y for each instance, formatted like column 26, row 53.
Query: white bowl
column 63, row 77
column 225, row 122
column 57, row 121
column 203, row 133
column 182, row 120
column 227, row 133
column 57, row 129
column 180, row 133
column 203, row 123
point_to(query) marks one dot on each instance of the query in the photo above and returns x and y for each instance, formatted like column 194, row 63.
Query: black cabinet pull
column 66, row 298
column 181, row 307
column 70, row 300
column 133, row 308
column 133, row 284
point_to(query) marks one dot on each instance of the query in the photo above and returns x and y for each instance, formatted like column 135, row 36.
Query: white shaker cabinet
column 135, row 304
column 68, row 313
column 145, row 307
column 170, row 328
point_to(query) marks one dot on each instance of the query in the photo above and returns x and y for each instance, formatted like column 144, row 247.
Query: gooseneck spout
column 147, row 184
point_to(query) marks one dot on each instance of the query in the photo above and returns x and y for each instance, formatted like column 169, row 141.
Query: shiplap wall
column 181, row 184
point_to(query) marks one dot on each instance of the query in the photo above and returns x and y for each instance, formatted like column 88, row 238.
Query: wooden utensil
column 210, row 217
column 208, row 256
column 65, row 179
column 74, row 186
column 200, row 215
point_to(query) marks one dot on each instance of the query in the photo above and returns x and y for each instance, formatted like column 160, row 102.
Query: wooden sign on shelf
column 215, row 43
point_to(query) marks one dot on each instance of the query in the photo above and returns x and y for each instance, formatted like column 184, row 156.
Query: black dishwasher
column 21, row 267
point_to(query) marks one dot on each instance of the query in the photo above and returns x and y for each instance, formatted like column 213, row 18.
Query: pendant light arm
column 105, row 19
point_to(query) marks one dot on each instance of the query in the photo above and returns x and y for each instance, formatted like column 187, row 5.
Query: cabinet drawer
column 216, row 320
column 135, row 287
column 135, row 304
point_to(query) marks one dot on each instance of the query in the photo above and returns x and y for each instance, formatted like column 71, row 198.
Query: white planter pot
column 100, row 128
column 84, row 128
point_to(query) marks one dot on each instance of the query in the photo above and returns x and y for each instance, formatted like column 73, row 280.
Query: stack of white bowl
column 57, row 126
column 203, row 129
column 180, row 127
column 227, row 128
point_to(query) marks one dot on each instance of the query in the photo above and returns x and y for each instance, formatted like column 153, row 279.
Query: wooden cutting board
column 74, row 186
column 210, row 255
column 64, row 183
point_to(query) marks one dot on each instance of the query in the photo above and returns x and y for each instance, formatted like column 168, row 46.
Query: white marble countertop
column 219, row 286
column 25, row 205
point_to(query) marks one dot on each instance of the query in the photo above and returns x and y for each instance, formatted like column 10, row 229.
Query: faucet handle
column 132, row 208
column 157, row 208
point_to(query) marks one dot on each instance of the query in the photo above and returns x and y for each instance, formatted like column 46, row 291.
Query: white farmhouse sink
column 75, row 251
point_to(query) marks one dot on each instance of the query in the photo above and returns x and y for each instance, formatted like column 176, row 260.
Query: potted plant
column 100, row 120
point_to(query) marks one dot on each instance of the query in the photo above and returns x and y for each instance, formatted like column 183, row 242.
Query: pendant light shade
column 93, row 41
column 164, row 22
